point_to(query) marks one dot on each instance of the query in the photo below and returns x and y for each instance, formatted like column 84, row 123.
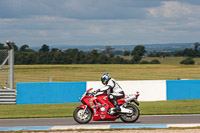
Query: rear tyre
column 82, row 117
column 133, row 117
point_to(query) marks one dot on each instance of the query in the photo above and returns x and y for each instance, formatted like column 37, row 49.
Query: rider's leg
column 113, row 99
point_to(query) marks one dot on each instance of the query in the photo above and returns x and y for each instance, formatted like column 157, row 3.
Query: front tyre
column 82, row 116
column 132, row 117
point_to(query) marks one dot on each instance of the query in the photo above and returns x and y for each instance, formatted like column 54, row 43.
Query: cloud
column 175, row 10
column 99, row 22
column 76, row 9
column 178, row 18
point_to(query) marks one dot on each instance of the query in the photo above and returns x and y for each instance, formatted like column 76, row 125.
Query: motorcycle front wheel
column 132, row 117
column 82, row 116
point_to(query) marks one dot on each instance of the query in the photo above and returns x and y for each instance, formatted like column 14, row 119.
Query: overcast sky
column 99, row 22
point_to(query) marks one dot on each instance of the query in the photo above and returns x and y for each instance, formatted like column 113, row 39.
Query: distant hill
column 170, row 47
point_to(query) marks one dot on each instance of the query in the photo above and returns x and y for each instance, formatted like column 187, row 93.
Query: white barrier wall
column 150, row 90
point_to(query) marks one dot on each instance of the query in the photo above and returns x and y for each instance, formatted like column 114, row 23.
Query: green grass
column 166, row 60
column 191, row 106
column 170, row 69
column 66, row 110
column 68, row 73
column 37, row 110
column 65, row 73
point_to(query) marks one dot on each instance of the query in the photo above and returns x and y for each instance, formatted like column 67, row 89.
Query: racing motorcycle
column 100, row 108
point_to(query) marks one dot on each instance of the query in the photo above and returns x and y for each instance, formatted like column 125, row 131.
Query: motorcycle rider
column 113, row 89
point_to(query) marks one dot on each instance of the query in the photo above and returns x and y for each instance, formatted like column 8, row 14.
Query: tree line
column 189, row 53
column 45, row 55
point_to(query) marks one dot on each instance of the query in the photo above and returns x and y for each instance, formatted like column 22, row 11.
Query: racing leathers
column 114, row 92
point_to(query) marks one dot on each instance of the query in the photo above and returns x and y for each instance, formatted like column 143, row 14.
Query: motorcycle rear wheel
column 82, row 117
column 133, row 117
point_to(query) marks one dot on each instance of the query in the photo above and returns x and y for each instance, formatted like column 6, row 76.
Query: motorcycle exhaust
column 129, row 98
column 132, row 99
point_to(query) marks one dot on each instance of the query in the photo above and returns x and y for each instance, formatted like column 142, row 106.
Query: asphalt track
column 69, row 121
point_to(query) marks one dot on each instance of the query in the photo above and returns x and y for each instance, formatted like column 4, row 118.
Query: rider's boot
column 117, row 108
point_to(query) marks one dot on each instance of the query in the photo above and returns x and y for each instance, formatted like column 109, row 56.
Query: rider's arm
column 110, row 84
column 104, row 88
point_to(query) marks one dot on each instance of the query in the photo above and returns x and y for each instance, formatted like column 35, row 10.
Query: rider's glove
column 96, row 91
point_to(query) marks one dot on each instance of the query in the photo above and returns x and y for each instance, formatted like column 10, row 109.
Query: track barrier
column 69, row 92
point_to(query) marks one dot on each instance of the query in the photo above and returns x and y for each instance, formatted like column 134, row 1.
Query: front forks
column 84, row 110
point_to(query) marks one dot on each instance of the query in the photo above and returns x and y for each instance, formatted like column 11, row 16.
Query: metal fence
column 7, row 96
column 33, row 80
column 4, row 69
column 7, row 91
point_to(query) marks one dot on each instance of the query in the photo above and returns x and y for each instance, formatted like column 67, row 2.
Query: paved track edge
column 74, row 127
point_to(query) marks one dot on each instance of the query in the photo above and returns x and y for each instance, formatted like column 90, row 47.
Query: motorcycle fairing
column 82, row 106
column 96, row 103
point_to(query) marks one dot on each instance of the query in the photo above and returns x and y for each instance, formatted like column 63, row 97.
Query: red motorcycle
column 100, row 108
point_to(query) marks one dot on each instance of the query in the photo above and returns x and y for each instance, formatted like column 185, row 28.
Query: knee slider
column 111, row 97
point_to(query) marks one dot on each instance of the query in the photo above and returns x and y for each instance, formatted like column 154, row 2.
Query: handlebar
column 93, row 93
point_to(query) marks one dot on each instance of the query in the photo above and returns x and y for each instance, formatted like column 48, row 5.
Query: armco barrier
column 54, row 92
column 7, row 96
column 183, row 89
column 68, row 92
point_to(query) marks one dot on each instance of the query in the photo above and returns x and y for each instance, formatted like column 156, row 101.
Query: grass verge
column 66, row 109
column 68, row 73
